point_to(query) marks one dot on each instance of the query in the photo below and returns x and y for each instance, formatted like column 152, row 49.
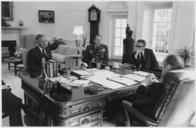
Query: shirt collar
column 40, row 48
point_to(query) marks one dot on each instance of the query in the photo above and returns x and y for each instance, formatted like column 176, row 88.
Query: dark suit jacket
column 148, row 63
column 34, row 61
column 146, row 98
column 127, row 50
column 100, row 55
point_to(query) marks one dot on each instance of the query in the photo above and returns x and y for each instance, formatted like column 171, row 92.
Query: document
column 122, row 80
column 100, row 77
column 82, row 72
column 135, row 77
column 70, row 82
column 142, row 73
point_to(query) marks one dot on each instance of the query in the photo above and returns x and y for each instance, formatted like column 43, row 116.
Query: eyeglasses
column 139, row 46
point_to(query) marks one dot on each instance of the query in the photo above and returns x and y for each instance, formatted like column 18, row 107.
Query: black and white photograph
column 91, row 63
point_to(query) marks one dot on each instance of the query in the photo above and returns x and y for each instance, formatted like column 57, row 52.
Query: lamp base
column 77, row 43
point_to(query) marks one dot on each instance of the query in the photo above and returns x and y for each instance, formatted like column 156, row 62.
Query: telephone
column 59, row 92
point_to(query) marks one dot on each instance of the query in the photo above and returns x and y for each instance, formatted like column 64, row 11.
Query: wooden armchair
column 174, row 109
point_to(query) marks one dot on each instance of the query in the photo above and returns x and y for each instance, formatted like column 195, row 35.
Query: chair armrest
column 128, row 106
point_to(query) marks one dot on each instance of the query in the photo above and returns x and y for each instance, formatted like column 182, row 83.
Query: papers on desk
column 135, row 77
column 141, row 73
column 122, row 80
column 70, row 82
column 100, row 77
column 81, row 73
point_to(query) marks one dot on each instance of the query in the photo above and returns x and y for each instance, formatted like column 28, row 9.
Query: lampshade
column 78, row 30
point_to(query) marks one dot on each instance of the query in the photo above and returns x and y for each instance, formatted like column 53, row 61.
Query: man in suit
column 149, row 92
column 143, row 58
column 96, row 54
column 35, row 55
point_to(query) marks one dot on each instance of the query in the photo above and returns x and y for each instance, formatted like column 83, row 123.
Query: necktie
column 44, row 53
column 142, row 57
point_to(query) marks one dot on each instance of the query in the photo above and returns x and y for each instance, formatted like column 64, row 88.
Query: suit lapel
column 145, row 55
column 39, row 52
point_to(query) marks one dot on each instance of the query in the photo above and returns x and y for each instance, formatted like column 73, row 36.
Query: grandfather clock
column 94, row 19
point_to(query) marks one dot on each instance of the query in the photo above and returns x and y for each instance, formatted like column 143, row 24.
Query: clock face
column 93, row 15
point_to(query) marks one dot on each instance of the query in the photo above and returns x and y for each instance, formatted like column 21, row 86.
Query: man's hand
column 149, row 79
column 138, row 51
column 93, row 60
column 84, row 66
column 98, row 64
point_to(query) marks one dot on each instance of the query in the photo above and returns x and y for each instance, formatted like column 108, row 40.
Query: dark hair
column 174, row 61
column 38, row 36
column 142, row 41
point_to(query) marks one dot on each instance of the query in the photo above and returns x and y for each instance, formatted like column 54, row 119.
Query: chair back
column 24, row 58
column 163, row 103
column 28, row 41
column 181, row 107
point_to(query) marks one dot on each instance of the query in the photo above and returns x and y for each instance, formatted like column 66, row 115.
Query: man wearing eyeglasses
column 143, row 58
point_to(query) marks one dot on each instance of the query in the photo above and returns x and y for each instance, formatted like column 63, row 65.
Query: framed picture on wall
column 7, row 10
column 46, row 16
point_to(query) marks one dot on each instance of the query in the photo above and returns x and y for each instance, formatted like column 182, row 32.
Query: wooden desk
column 80, row 110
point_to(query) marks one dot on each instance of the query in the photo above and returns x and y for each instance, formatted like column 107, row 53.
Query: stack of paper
column 81, row 73
column 100, row 77
column 142, row 73
column 122, row 80
column 135, row 77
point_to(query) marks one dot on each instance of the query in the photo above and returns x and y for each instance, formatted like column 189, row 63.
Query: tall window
column 161, row 30
column 119, row 27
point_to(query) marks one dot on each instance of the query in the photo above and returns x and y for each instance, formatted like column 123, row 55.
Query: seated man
column 146, row 96
column 35, row 55
column 11, row 106
column 96, row 54
column 143, row 58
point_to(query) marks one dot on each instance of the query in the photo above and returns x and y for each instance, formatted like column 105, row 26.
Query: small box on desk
column 51, row 68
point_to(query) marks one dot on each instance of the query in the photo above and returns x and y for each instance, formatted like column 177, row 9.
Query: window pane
column 117, row 51
column 123, row 35
column 124, row 23
column 163, row 15
column 118, row 31
column 117, row 42
column 118, row 23
column 161, row 30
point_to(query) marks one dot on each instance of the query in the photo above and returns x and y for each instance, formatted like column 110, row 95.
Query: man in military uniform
column 96, row 54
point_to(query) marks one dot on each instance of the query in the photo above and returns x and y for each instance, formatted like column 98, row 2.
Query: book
column 51, row 68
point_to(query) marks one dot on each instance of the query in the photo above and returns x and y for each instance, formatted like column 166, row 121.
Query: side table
column 15, row 61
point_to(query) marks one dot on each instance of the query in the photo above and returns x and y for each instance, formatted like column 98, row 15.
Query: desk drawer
column 77, row 109
column 91, row 119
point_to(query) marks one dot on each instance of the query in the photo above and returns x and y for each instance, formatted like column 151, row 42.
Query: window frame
column 114, row 17
column 160, row 56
